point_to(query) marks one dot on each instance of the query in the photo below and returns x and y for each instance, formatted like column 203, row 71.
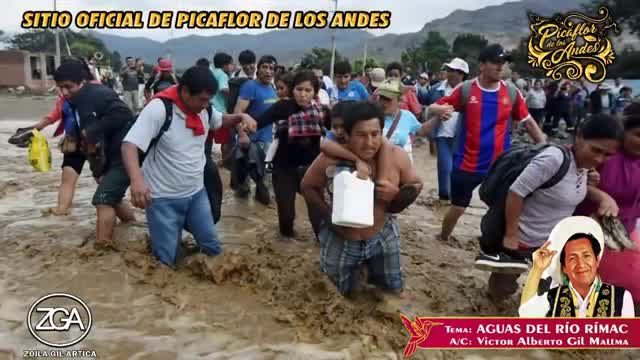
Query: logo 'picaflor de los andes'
column 420, row 329
column 572, row 46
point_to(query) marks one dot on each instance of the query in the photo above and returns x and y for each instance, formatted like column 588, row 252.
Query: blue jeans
column 445, row 164
column 168, row 217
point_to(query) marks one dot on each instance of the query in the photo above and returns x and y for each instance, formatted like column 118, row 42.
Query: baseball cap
column 458, row 64
column 165, row 65
column 562, row 232
column 425, row 76
column 494, row 53
column 390, row 89
column 408, row 80
column 377, row 76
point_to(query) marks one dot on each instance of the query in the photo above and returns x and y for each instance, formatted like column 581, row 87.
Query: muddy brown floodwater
column 262, row 299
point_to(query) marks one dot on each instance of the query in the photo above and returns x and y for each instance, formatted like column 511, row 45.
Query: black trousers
column 213, row 184
column 286, row 184
column 555, row 120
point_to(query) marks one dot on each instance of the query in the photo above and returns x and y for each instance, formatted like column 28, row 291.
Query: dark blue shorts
column 462, row 185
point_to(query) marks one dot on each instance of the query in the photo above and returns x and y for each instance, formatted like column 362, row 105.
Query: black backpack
column 161, row 85
column 495, row 188
column 234, row 92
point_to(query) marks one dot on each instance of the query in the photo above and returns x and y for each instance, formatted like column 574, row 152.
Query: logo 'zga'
column 69, row 318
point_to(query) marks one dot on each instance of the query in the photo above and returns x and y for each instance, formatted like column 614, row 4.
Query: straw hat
column 390, row 89
column 377, row 76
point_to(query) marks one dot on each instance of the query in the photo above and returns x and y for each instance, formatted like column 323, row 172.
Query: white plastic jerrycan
column 352, row 200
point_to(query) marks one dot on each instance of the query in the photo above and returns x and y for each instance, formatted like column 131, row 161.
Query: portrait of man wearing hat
column 570, row 259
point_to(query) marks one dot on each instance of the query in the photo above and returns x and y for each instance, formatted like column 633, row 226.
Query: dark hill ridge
column 505, row 23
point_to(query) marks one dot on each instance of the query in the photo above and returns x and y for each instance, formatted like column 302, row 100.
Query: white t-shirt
column 174, row 167
column 328, row 84
column 616, row 90
column 536, row 99
column 447, row 129
column 605, row 101
column 323, row 97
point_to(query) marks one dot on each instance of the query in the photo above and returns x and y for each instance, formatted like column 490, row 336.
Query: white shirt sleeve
column 216, row 119
column 148, row 125
column 627, row 305
column 537, row 306
column 323, row 97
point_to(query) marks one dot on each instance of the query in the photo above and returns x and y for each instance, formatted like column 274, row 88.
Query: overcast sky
column 407, row 15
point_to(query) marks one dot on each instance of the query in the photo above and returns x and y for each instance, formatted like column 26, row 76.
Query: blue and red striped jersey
column 483, row 125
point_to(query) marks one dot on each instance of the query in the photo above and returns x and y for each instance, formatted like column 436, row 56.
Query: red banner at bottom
column 521, row 333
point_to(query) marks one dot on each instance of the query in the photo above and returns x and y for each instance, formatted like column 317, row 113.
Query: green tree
column 468, row 47
column 34, row 41
column 625, row 65
column 322, row 57
column 625, row 12
column 83, row 49
column 357, row 65
column 432, row 52
column 116, row 61
column 520, row 58
column 81, row 44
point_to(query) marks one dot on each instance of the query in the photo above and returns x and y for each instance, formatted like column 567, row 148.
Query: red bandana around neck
column 192, row 120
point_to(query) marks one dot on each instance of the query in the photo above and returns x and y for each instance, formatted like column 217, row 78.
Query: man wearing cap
column 399, row 124
column 486, row 106
column 162, row 79
column 409, row 99
column 423, row 88
column 581, row 293
column 256, row 96
column 445, row 131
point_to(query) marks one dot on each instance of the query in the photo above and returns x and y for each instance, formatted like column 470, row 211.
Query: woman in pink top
column 620, row 178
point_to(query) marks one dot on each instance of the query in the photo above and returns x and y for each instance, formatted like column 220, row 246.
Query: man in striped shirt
column 487, row 105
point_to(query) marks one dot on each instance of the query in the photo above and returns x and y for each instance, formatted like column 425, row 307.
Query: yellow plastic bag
column 39, row 152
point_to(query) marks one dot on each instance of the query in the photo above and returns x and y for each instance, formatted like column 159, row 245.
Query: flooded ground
column 262, row 299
